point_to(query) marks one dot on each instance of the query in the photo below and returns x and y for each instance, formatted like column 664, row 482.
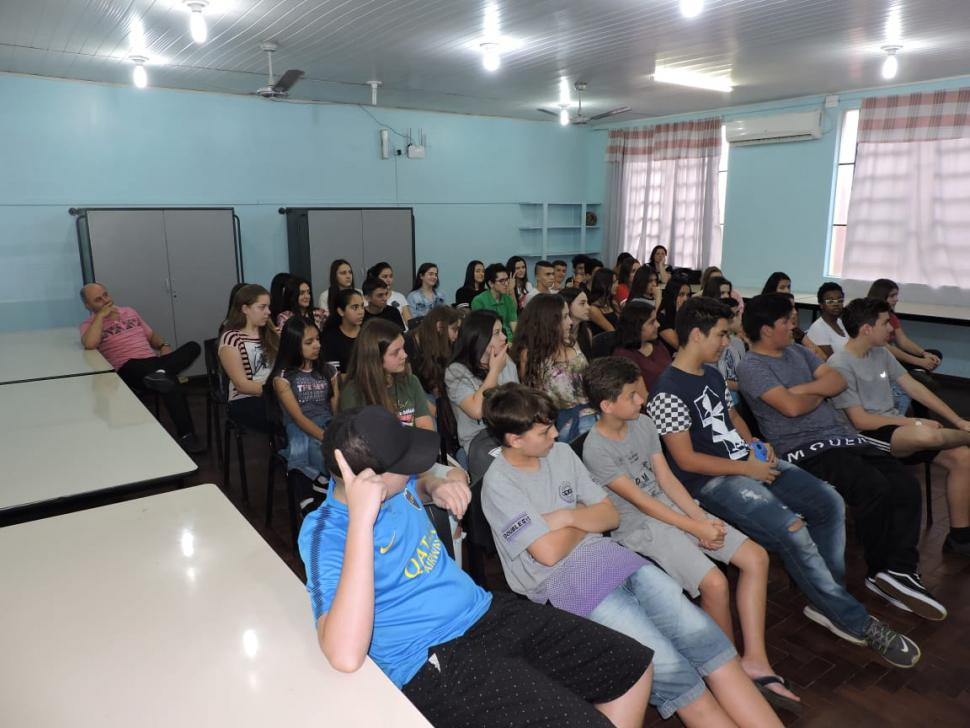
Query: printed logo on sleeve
column 521, row 521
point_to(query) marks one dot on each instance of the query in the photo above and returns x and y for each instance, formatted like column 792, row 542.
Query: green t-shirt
column 504, row 307
column 406, row 390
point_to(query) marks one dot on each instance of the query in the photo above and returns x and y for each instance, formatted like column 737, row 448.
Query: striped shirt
column 255, row 363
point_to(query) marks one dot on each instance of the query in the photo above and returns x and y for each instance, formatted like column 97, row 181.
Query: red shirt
column 651, row 366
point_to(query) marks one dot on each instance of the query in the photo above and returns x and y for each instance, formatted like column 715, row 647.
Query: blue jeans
column 302, row 452
column 814, row 555
column 687, row 646
column 571, row 423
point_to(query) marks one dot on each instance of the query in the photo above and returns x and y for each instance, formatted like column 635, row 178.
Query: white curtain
column 662, row 190
column 909, row 211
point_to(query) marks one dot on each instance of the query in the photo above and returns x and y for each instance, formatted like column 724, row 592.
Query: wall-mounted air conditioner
column 798, row 126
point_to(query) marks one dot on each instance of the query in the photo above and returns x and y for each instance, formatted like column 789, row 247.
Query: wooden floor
column 840, row 685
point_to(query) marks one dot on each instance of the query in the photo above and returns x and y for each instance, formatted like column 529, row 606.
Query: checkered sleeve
column 669, row 413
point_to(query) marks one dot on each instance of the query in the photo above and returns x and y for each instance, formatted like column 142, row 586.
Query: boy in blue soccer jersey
column 381, row 584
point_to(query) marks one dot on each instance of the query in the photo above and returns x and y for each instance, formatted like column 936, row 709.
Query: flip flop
column 775, row 699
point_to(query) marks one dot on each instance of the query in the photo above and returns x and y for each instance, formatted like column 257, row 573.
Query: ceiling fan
column 280, row 88
column 580, row 117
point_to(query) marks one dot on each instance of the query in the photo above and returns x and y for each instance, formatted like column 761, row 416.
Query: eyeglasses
column 833, row 301
column 501, row 280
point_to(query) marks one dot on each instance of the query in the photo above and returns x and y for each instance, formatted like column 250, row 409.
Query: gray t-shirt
column 608, row 460
column 758, row 373
column 462, row 384
column 870, row 380
column 514, row 500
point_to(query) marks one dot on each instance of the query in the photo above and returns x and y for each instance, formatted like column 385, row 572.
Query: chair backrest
column 475, row 524
column 577, row 445
column 744, row 409
column 218, row 386
column 442, row 525
column 603, row 344
column 481, row 451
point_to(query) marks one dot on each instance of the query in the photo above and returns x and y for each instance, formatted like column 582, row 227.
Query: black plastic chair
column 216, row 400
column 603, row 344
column 442, row 525
column 577, row 445
column 478, row 537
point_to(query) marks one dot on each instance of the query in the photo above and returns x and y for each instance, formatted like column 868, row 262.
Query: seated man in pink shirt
column 129, row 345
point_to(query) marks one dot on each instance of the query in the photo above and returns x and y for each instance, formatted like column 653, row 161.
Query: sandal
column 776, row 699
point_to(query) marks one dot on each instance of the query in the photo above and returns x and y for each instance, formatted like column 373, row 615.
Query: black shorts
column 882, row 439
column 523, row 664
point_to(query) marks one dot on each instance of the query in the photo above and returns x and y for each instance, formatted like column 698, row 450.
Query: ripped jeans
column 814, row 554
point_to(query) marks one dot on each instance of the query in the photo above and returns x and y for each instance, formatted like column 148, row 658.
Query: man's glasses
column 501, row 280
column 833, row 301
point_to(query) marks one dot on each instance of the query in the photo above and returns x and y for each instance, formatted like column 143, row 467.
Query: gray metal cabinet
column 175, row 266
column 362, row 236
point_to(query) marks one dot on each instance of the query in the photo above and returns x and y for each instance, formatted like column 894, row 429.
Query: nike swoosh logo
column 385, row 549
column 904, row 649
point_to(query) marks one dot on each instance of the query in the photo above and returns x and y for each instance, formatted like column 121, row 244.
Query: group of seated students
column 611, row 482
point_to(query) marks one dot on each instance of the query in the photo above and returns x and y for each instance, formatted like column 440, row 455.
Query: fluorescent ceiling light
column 890, row 67
column 680, row 77
column 691, row 8
column 197, row 26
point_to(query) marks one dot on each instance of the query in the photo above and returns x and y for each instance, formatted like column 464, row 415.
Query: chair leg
column 216, row 424
column 243, row 480
column 929, row 495
column 208, row 424
column 224, row 455
column 270, row 482
column 292, row 506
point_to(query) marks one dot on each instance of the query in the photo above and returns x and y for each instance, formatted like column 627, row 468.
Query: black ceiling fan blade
column 611, row 112
column 547, row 111
column 287, row 80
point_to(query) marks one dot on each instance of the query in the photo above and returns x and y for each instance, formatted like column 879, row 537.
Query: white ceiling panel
column 426, row 52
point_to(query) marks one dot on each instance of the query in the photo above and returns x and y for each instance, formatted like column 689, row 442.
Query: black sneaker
column 908, row 589
column 816, row 616
column 158, row 382
column 896, row 649
column 872, row 586
column 321, row 485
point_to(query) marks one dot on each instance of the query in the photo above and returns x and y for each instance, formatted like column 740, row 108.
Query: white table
column 47, row 354
column 79, row 435
column 168, row 611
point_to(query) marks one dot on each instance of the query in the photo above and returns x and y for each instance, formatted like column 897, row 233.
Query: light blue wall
column 69, row 144
column 779, row 201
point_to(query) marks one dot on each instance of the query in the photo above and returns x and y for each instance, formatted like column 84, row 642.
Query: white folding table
column 76, row 436
column 168, row 610
column 47, row 354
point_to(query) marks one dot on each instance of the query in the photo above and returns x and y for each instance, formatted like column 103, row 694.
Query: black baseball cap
column 394, row 448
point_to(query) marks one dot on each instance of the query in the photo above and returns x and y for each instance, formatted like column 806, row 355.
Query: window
column 843, row 189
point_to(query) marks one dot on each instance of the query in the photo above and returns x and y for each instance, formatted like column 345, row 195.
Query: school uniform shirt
column 514, row 500
column 824, row 335
column 312, row 391
column 405, row 390
column 255, row 363
column 465, row 294
column 123, row 338
column 700, row 405
column 421, row 306
column 397, row 301
column 461, row 384
column 869, row 379
column 421, row 597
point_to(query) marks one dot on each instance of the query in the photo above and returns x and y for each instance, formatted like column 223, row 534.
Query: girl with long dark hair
column 473, row 285
column 305, row 389
column 625, row 271
column 479, row 363
column 341, row 278
column 342, row 328
column 378, row 374
column 247, row 349
column 717, row 287
column 424, row 294
column 582, row 333
column 278, row 288
column 298, row 301
column 777, row 282
column 636, row 340
column 550, row 361
column 519, row 286
column 674, row 294
column 643, row 287
column 603, row 311
column 658, row 261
